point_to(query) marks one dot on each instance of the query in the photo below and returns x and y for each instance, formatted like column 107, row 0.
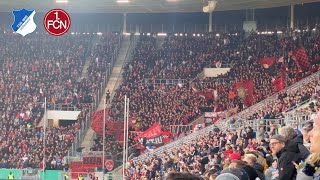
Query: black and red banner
column 153, row 136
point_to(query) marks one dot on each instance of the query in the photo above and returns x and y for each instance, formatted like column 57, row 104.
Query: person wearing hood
column 286, row 152
column 251, row 160
column 290, row 134
column 311, row 169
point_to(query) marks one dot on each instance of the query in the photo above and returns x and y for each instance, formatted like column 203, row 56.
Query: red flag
column 267, row 61
column 244, row 90
column 231, row 94
column 279, row 83
column 154, row 136
column 301, row 58
column 152, row 132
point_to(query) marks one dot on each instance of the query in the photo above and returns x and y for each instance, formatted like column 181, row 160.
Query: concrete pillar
column 292, row 15
column 210, row 22
column 124, row 23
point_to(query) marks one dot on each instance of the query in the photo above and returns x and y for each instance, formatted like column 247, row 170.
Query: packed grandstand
column 216, row 105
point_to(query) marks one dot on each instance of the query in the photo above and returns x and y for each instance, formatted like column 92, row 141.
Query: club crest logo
column 23, row 21
column 242, row 92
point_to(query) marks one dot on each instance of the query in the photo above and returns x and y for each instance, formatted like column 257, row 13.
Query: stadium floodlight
column 122, row 1
column 72, row 33
column 210, row 8
column 162, row 34
column 62, row 1
column 99, row 33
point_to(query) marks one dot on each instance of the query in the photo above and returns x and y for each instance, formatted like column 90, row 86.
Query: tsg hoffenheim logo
column 23, row 21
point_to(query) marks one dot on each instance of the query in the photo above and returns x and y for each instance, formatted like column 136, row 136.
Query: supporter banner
column 92, row 159
column 76, row 168
column 156, row 141
column 279, row 83
column 244, row 90
column 113, row 127
column 302, row 59
column 153, row 136
column 209, row 94
column 267, row 62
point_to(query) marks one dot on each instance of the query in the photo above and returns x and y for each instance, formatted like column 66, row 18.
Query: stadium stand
column 42, row 66
column 284, row 101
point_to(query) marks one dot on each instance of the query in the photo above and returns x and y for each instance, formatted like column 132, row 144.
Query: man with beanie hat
column 233, row 174
column 286, row 152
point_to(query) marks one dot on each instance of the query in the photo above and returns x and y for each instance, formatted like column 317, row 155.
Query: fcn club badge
column 23, row 21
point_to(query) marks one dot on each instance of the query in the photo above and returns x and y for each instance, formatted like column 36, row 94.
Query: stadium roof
column 141, row 6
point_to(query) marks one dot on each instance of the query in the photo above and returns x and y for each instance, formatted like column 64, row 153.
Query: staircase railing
column 108, row 71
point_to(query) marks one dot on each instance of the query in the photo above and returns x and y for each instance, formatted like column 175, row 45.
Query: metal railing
column 297, row 119
column 163, row 81
column 223, row 65
column 213, row 80
column 61, row 107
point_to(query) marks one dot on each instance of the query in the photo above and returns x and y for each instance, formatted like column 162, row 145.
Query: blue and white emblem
column 23, row 21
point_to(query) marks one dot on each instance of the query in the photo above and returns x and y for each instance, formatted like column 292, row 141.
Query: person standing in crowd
column 290, row 134
column 311, row 169
column 251, row 160
column 286, row 152
column 305, row 130
column 107, row 96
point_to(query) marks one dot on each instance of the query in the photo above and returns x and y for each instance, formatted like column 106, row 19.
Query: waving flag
column 302, row 59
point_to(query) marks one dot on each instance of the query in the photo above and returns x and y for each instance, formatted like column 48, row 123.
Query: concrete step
column 111, row 85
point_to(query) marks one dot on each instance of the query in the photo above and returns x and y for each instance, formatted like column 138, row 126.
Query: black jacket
column 285, row 157
column 251, row 172
column 259, row 169
column 304, row 152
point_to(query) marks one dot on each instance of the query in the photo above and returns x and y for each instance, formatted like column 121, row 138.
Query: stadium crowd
column 235, row 155
column 38, row 67
column 183, row 57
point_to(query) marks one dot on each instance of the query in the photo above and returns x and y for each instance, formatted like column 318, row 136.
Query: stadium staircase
column 84, row 72
column 222, row 124
column 113, row 83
